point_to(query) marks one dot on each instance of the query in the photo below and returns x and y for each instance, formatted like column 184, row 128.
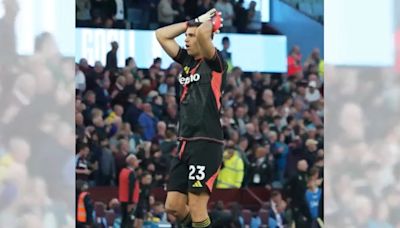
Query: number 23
column 200, row 172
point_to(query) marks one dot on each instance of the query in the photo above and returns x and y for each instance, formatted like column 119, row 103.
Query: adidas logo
column 197, row 184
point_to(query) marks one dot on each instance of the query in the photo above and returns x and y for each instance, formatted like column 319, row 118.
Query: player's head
column 191, row 40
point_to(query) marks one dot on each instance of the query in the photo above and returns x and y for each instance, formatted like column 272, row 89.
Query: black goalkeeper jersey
column 202, row 83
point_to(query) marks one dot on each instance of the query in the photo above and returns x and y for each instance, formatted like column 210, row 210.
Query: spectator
column 83, row 11
column 203, row 6
column 84, row 204
column 231, row 175
column 311, row 65
column 93, row 76
column 240, row 17
column 82, row 163
column 121, row 154
column 278, row 217
column 118, row 92
column 158, row 106
column 158, row 211
column 148, row 122
column 240, row 119
column 130, row 65
column 180, row 8
column 294, row 62
column 312, row 93
column 280, row 152
column 254, row 19
column 128, row 190
column 109, row 8
column 107, row 172
column 133, row 110
column 112, row 61
column 311, row 152
column 227, row 55
column 143, row 205
column 166, row 13
column 313, row 197
column 261, row 167
column 115, row 206
column 80, row 80
column 226, row 8
column 161, row 131
column 297, row 187
column 118, row 111
column 97, row 8
column 103, row 98
column 220, row 217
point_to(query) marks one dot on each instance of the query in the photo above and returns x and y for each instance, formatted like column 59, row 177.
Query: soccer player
column 194, row 171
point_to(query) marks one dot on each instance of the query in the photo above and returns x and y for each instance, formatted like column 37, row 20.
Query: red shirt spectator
column 294, row 61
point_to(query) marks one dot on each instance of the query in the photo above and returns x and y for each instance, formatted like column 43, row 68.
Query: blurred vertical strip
column 362, row 170
column 37, row 144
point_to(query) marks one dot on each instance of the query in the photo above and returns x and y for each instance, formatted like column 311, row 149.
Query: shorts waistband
column 201, row 138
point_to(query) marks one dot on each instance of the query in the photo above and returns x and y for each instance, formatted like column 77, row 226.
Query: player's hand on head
column 207, row 16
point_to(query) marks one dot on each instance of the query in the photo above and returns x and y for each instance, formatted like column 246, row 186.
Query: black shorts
column 196, row 168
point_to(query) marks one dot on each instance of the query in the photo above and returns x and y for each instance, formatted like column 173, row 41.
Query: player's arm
column 203, row 35
column 207, row 49
column 166, row 37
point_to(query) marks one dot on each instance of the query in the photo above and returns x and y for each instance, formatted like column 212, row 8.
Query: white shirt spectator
column 312, row 93
column 80, row 81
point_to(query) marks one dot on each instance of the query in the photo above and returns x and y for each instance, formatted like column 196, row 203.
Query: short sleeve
column 182, row 56
column 217, row 62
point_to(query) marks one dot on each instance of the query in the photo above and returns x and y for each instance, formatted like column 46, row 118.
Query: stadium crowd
column 273, row 127
column 143, row 14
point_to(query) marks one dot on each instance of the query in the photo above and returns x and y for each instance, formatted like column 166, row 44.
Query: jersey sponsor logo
column 186, row 69
column 197, row 184
column 189, row 79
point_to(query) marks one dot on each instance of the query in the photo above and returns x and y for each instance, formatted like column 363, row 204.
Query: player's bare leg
column 176, row 205
column 198, row 209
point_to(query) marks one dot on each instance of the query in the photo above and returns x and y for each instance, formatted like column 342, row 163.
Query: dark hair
column 145, row 173
column 80, row 146
column 192, row 23
column 127, row 60
column 225, row 39
column 157, row 60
